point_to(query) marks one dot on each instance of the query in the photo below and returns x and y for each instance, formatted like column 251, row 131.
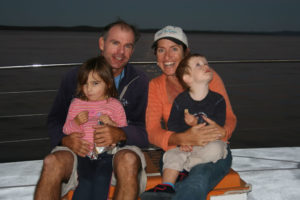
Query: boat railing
column 10, row 117
column 132, row 62
column 37, row 66
column 153, row 62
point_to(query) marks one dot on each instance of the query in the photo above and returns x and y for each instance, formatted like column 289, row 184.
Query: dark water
column 264, row 96
column 30, row 47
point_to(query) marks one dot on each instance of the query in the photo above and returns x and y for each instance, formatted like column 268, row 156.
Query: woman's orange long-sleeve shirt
column 159, row 109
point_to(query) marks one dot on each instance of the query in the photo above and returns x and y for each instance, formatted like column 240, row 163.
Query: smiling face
column 95, row 88
column 199, row 71
column 117, row 47
column 168, row 55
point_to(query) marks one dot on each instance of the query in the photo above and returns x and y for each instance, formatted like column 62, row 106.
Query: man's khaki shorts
column 73, row 181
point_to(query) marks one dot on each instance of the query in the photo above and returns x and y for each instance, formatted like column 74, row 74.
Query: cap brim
column 169, row 38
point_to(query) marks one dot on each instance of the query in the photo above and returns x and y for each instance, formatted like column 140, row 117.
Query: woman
column 170, row 46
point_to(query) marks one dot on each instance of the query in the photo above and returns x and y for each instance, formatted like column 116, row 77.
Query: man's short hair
column 123, row 25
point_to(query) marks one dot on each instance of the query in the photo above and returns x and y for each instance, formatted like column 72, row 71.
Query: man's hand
column 106, row 135
column 75, row 142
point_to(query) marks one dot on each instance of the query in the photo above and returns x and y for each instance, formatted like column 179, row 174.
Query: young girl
column 95, row 102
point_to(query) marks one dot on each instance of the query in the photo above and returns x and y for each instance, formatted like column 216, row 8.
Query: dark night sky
column 205, row 15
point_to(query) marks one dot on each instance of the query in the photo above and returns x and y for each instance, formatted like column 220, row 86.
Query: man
column 59, row 170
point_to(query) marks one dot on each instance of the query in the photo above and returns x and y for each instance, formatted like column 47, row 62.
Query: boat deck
column 274, row 174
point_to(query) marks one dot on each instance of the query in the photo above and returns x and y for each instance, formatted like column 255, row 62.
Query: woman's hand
column 214, row 127
column 199, row 135
column 186, row 148
column 202, row 134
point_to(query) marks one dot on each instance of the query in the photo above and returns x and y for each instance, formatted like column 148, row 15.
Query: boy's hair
column 183, row 68
column 123, row 25
column 103, row 69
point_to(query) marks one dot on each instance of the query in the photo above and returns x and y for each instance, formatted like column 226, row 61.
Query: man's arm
column 136, row 135
column 60, row 106
column 57, row 116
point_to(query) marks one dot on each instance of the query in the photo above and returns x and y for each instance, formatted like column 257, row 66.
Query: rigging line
column 25, row 115
column 271, row 169
column 154, row 62
column 276, row 160
column 255, row 61
column 28, row 91
column 17, row 186
column 39, row 66
column 265, row 128
column 24, row 140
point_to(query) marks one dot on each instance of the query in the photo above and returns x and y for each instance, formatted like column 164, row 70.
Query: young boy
column 191, row 107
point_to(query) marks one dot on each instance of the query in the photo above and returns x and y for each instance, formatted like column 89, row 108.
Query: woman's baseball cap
column 171, row 32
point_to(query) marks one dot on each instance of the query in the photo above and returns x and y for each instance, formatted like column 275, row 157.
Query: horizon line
column 84, row 28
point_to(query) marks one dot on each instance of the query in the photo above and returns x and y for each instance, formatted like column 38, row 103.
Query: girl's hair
column 101, row 67
column 183, row 68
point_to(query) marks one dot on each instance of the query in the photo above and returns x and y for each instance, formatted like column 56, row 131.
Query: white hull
column 274, row 174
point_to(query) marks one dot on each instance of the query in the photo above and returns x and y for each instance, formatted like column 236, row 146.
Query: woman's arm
column 154, row 114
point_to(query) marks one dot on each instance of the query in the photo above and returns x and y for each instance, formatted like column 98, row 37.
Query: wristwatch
column 121, row 143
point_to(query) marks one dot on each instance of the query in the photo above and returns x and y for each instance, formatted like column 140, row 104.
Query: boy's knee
column 217, row 150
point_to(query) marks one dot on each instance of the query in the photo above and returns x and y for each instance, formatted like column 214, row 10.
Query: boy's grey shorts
column 73, row 181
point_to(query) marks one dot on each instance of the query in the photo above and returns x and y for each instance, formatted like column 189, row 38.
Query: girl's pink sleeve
column 154, row 113
column 70, row 125
column 217, row 85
